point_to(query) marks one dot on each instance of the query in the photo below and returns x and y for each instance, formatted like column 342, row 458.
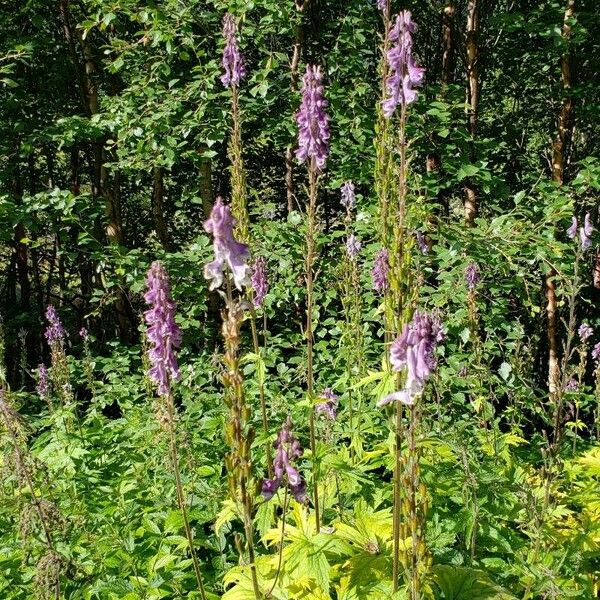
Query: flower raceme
column 585, row 331
column 260, row 283
column 328, row 405
column 163, row 333
column 472, row 275
column 353, row 246
column 228, row 251
column 404, row 72
column 55, row 332
column 287, row 449
column 414, row 350
column 312, row 120
column 585, row 231
column 233, row 61
column 348, row 196
column 380, row 271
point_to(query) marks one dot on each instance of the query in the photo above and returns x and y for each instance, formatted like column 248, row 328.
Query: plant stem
column 263, row 403
column 310, row 258
column 180, row 494
column 397, row 490
column 280, row 558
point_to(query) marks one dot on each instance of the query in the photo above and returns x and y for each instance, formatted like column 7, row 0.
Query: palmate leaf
column 462, row 583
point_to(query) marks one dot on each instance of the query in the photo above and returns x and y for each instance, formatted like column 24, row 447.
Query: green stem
column 310, row 258
column 180, row 494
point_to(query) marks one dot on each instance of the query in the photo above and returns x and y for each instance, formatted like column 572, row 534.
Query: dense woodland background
column 114, row 130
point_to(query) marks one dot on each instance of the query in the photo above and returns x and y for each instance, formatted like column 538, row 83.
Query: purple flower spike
column 55, row 332
column 572, row 231
column 329, row 404
column 260, row 283
column 472, row 275
column 572, row 385
column 287, row 449
column 233, row 61
column 353, row 246
column 348, row 197
column 422, row 243
column 42, row 386
column 585, row 232
column 380, row 271
column 596, row 354
column 312, row 120
column 585, row 331
column 381, row 4
column 404, row 72
column 228, row 252
column 414, row 350
column 163, row 333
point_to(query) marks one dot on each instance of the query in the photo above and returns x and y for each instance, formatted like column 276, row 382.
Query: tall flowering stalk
column 59, row 372
column 164, row 337
column 238, row 432
column 412, row 356
column 313, row 148
column 352, row 338
column 233, row 73
column 399, row 75
column 51, row 564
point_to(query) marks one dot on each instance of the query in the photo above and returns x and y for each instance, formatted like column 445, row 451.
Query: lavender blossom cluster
column 163, row 333
column 55, row 332
column 348, row 200
column 312, row 120
column 414, row 349
column 233, row 61
column 287, row 449
column 380, row 271
column 472, row 275
column 353, row 246
column 227, row 250
column 404, row 72
column 260, row 283
column 585, row 231
column 328, row 405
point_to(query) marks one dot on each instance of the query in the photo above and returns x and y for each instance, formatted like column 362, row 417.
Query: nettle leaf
column 462, row 583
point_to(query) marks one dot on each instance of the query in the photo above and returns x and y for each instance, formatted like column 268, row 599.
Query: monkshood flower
column 585, row 232
column 163, row 333
column 348, row 198
column 414, row 350
column 228, row 252
column 84, row 334
column 328, row 405
column 585, row 331
column 233, row 61
column 381, row 4
column 596, row 354
column 572, row 231
column 572, row 385
column 472, row 275
column 353, row 246
column 404, row 72
column 422, row 242
column 55, row 332
column 287, row 450
column 260, row 283
column 380, row 271
column 42, row 385
column 312, row 120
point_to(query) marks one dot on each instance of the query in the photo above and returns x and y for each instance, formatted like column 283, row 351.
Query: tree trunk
column 158, row 193
column 471, row 203
column 562, row 142
column 289, row 152
column 448, row 43
column 559, row 152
